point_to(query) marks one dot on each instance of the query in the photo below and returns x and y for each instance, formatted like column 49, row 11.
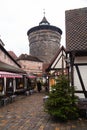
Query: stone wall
column 44, row 44
column 31, row 66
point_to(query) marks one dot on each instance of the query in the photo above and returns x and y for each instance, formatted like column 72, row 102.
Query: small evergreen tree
column 61, row 103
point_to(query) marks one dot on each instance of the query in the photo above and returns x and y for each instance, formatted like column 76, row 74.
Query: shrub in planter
column 61, row 103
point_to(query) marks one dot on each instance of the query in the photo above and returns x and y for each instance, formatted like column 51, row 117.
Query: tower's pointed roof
column 44, row 24
column 44, row 21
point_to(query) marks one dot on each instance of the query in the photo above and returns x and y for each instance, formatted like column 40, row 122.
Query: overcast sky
column 18, row 16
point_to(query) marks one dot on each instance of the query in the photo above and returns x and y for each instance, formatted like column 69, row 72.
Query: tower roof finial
column 44, row 20
column 44, row 12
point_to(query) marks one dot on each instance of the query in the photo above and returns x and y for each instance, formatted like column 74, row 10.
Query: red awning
column 31, row 76
column 10, row 75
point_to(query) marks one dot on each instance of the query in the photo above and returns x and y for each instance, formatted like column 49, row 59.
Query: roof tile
column 28, row 57
column 76, row 29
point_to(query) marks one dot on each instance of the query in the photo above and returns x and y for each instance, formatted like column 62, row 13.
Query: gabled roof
column 76, row 29
column 4, row 50
column 28, row 57
column 12, row 54
column 9, row 68
column 1, row 42
column 60, row 54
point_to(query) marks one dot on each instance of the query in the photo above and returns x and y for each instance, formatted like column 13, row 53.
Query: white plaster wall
column 59, row 61
column 83, row 71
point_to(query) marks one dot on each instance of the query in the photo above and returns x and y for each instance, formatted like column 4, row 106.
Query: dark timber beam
column 81, row 81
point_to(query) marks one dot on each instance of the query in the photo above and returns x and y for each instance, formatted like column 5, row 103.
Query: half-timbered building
column 76, row 48
column 57, row 66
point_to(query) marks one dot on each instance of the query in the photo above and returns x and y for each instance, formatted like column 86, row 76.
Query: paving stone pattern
column 27, row 113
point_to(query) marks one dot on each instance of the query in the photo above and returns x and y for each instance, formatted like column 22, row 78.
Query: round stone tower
column 44, row 40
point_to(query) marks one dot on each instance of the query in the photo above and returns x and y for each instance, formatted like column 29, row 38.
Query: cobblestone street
column 27, row 113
